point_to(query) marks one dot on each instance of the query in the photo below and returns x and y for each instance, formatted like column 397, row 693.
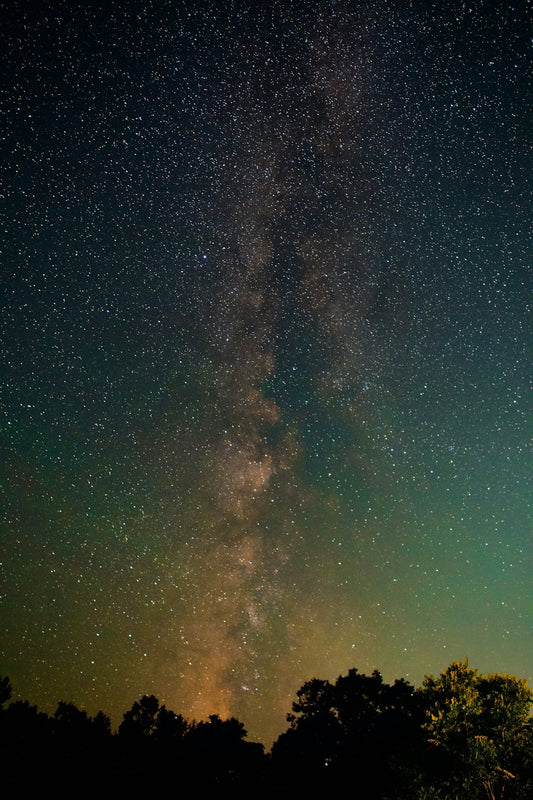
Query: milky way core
column 265, row 339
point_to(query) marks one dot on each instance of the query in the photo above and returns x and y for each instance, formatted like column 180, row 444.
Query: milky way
column 265, row 349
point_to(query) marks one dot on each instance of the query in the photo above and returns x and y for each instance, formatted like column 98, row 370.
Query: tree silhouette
column 218, row 752
column 25, row 747
column 357, row 726
column 141, row 720
column 460, row 736
column 170, row 727
column 73, row 726
column 101, row 725
column 315, row 733
column 5, row 691
column 70, row 721
column 217, row 735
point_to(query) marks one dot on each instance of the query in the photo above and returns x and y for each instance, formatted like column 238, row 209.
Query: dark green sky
column 265, row 349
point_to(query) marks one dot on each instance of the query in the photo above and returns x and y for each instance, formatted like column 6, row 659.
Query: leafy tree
column 26, row 720
column 216, row 735
column 170, row 727
column 147, row 720
column 71, row 721
column 101, row 725
column 218, row 754
column 141, row 720
column 74, row 724
column 479, row 730
column 315, row 732
column 359, row 725
column 316, row 700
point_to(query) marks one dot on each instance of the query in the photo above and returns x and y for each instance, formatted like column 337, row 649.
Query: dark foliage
column 461, row 735
column 359, row 730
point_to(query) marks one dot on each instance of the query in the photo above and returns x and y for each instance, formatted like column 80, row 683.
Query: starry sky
column 265, row 345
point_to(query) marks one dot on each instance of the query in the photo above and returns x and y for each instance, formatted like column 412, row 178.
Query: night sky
column 265, row 347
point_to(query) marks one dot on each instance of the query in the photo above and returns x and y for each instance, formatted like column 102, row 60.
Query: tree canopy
column 461, row 735
column 479, row 727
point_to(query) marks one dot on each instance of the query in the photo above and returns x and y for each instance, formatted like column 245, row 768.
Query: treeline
column 461, row 735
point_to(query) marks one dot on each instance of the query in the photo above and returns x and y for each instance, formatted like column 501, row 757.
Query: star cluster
column 264, row 349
